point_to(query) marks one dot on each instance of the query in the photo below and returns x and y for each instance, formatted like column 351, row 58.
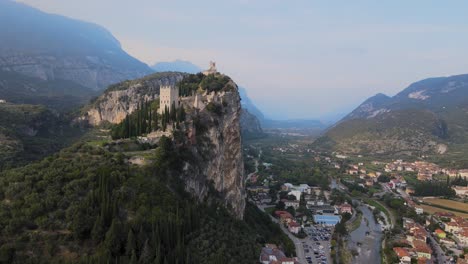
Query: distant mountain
column 176, row 66
column 247, row 103
column 250, row 125
column 428, row 117
column 53, row 47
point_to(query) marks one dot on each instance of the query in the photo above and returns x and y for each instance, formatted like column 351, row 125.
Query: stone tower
column 168, row 95
column 212, row 69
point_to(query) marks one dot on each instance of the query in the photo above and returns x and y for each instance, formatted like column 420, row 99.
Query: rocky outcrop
column 123, row 98
column 215, row 169
column 218, row 164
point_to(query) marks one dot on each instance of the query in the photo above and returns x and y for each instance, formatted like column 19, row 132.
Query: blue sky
column 297, row 59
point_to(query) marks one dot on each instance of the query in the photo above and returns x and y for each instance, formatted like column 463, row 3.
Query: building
column 403, row 255
column 296, row 193
column 452, row 227
column 168, row 95
column 212, row 69
column 288, row 203
column 440, row 233
column 2, row 101
column 346, row 208
column 419, row 210
column 422, row 250
column 461, row 191
column 294, row 227
column 462, row 236
column 327, row 220
column 284, row 216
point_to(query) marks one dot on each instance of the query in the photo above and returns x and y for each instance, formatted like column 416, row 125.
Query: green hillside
column 57, row 94
column 29, row 132
column 428, row 118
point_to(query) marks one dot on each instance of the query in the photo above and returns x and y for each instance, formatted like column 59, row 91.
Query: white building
column 296, row 194
column 2, row 101
column 168, row 95
column 461, row 191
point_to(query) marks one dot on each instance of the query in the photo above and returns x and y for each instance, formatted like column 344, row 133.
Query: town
column 362, row 201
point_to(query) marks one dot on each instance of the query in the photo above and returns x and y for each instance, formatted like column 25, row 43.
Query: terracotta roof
column 401, row 252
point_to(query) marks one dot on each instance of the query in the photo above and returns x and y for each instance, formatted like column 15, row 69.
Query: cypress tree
column 131, row 243
column 113, row 241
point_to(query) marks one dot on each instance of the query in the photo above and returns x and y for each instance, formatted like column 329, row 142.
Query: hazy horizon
column 298, row 60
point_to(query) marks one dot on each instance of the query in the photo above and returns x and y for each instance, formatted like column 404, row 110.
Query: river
column 368, row 235
column 366, row 240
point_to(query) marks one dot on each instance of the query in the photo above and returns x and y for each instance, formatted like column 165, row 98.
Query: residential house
column 289, row 203
column 440, row 233
column 403, row 255
column 284, row 216
column 419, row 210
column 422, row 249
column 270, row 254
column 462, row 236
column 461, row 191
column 452, row 227
column 345, row 208
column 294, row 227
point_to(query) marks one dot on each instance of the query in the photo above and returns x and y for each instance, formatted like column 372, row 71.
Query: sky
column 298, row 59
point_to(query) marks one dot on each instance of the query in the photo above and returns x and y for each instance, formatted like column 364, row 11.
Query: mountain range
column 53, row 47
column 427, row 118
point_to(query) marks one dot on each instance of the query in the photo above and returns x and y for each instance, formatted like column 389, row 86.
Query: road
column 440, row 255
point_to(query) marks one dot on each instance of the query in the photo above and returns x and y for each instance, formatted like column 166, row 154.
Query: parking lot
column 317, row 245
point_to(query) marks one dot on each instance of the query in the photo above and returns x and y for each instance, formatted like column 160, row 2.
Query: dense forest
column 146, row 119
column 87, row 205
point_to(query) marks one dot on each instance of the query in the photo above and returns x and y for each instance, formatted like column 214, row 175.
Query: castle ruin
column 168, row 95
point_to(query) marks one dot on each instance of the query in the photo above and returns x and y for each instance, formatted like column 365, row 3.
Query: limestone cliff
column 123, row 98
column 217, row 151
column 210, row 134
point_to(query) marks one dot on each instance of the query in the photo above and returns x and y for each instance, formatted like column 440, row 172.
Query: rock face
column 218, row 161
column 215, row 169
column 123, row 98
column 52, row 47
column 250, row 124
